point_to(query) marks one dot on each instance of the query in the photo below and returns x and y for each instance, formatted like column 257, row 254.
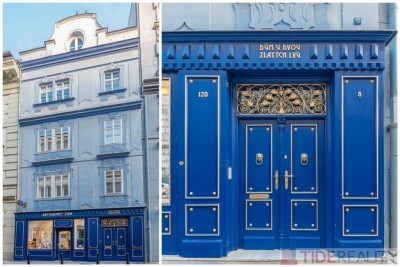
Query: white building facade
column 10, row 150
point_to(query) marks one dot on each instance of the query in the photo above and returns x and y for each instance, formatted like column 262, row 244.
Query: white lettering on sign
column 114, row 212
column 53, row 214
column 281, row 51
column 203, row 94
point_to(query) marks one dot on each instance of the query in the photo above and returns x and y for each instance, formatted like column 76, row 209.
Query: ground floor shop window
column 79, row 232
column 40, row 235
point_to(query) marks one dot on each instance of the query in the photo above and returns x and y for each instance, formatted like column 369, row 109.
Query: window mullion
column 113, row 131
column 53, row 186
column 122, row 181
column 113, row 179
column 53, row 143
column 120, row 130
column 45, row 141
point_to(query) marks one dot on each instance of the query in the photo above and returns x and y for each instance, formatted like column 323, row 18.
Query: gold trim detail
column 114, row 222
column 259, row 196
column 281, row 99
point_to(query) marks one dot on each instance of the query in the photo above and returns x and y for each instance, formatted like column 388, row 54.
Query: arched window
column 75, row 41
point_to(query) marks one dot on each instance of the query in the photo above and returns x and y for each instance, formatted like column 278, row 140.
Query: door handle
column 276, row 179
column 287, row 179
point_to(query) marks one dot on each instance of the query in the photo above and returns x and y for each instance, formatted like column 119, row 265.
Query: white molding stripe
column 316, row 214
column 271, row 154
column 316, row 159
column 364, row 206
column 217, row 233
column 186, row 134
column 271, row 216
column 376, row 133
column 169, row 232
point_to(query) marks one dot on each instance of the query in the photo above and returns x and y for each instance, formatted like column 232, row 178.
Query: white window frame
column 46, row 89
column 62, row 88
column 112, row 79
column 113, row 131
column 52, row 184
column 113, row 182
column 53, row 140
column 75, row 40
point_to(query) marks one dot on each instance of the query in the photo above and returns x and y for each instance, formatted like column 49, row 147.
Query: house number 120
column 203, row 94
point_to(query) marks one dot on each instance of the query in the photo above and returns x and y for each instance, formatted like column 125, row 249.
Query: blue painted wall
column 86, row 79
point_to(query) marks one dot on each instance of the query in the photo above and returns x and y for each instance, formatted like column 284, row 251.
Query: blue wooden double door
column 114, row 243
column 281, row 198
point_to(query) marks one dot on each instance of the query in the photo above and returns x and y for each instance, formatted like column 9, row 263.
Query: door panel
column 288, row 215
column 257, row 187
column 259, row 158
column 108, row 243
column 120, row 239
column 304, row 158
column 202, row 118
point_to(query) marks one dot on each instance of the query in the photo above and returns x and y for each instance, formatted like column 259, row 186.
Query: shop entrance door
column 114, row 242
column 281, row 184
column 63, row 243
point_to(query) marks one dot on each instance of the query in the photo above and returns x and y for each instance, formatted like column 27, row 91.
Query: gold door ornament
column 281, row 99
column 114, row 222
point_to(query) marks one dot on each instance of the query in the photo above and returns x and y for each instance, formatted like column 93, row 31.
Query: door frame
column 328, row 117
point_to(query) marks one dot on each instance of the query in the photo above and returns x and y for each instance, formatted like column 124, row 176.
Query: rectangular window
column 165, row 140
column 53, row 139
column 111, row 80
column 114, row 181
column 40, row 234
column 113, row 132
column 53, row 186
column 62, row 90
column 79, row 233
column 46, row 93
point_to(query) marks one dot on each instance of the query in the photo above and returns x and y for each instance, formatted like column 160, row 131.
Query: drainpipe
column 393, row 128
column 146, row 181
column 19, row 137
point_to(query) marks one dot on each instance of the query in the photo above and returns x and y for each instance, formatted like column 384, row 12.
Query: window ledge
column 52, row 161
column 114, row 195
column 54, row 102
column 45, row 153
column 54, row 198
column 113, row 92
column 113, row 155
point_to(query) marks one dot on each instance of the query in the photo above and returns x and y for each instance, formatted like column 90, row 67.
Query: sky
column 28, row 25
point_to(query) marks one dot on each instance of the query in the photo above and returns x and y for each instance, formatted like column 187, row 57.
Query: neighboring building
column 10, row 150
column 84, row 180
column 148, row 25
column 276, row 119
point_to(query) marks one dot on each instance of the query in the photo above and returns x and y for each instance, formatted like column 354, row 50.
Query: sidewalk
column 283, row 257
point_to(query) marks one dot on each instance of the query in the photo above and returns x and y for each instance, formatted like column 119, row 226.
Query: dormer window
column 75, row 44
column 75, row 41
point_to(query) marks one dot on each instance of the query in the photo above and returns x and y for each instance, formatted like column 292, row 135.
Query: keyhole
column 359, row 94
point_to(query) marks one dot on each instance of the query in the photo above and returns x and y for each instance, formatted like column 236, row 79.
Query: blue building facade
column 82, row 189
column 276, row 137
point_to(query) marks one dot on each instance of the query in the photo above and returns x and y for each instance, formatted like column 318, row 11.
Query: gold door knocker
column 259, row 158
column 304, row 159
